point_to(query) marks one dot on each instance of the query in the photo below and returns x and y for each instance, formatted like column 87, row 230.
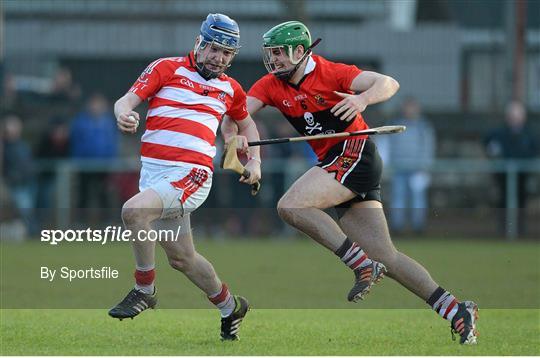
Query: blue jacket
column 94, row 137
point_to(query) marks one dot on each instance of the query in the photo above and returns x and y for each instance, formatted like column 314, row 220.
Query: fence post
column 512, row 211
column 63, row 194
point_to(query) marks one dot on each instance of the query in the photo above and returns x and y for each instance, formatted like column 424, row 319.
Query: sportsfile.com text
column 109, row 234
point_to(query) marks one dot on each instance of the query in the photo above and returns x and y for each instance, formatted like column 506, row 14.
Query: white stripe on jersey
column 189, row 97
column 206, row 119
column 171, row 162
column 225, row 86
column 179, row 140
column 151, row 66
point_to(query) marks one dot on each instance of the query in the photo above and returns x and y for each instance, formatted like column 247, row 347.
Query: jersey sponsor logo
column 320, row 100
column 300, row 97
column 311, row 124
column 187, row 83
column 222, row 97
column 286, row 103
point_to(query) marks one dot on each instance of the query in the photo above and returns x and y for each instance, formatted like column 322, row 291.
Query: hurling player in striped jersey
column 318, row 96
column 188, row 97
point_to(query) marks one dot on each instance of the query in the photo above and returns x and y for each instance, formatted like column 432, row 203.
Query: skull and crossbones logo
column 311, row 125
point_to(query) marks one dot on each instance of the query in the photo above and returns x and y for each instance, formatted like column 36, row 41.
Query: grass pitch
column 264, row 332
column 298, row 292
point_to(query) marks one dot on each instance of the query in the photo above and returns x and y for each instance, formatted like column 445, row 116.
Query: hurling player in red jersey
column 317, row 96
column 188, row 97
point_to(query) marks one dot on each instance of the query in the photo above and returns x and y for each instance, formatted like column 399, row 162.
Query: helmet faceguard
column 219, row 35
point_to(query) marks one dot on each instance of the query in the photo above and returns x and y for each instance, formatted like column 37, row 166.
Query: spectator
column 410, row 155
column 9, row 92
column 513, row 140
column 94, row 136
column 53, row 145
column 18, row 169
column 64, row 90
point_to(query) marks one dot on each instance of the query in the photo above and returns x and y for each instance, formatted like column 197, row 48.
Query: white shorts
column 182, row 189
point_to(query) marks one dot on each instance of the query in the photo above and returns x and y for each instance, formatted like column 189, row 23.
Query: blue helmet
column 221, row 31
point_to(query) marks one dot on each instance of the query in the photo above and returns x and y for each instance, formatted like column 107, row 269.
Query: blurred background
column 469, row 71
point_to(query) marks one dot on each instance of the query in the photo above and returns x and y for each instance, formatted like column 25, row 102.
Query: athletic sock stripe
column 352, row 254
column 360, row 256
column 449, row 308
column 433, row 300
column 440, row 301
column 225, row 302
column 358, row 262
column 354, row 248
column 221, row 296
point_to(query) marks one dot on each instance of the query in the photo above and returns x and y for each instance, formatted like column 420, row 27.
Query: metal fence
column 279, row 174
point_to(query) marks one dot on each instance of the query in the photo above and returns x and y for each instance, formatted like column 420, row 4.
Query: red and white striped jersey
column 184, row 111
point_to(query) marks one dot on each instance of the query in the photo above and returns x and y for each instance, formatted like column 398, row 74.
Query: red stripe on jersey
column 157, row 102
column 165, row 152
column 181, row 125
column 191, row 182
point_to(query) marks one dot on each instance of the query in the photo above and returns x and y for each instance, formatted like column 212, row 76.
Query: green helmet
column 285, row 37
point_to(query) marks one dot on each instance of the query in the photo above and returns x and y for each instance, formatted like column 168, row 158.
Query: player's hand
column 242, row 144
column 254, row 167
column 350, row 106
column 128, row 122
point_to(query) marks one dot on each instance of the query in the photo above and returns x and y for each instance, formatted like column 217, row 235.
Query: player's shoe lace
column 366, row 277
column 134, row 303
column 464, row 323
column 231, row 324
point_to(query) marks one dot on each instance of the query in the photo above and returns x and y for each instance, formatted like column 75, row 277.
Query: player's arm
column 127, row 119
column 374, row 87
column 230, row 127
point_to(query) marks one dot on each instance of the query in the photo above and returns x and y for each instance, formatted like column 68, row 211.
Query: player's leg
column 137, row 214
column 182, row 192
column 365, row 223
column 301, row 207
column 183, row 257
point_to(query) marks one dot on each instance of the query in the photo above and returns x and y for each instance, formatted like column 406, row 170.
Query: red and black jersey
column 307, row 105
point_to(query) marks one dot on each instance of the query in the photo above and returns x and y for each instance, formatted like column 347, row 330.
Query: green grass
column 298, row 293
column 264, row 332
column 275, row 274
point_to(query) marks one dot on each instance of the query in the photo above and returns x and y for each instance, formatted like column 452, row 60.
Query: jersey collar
column 310, row 66
column 191, row 57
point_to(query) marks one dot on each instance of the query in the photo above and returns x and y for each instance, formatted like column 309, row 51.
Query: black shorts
column 357, row 165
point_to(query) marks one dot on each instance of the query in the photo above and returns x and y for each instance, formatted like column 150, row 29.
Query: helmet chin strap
column 287, row 75
column 204, row 72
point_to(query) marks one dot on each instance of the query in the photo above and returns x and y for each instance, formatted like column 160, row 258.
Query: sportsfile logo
column 109, row 234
